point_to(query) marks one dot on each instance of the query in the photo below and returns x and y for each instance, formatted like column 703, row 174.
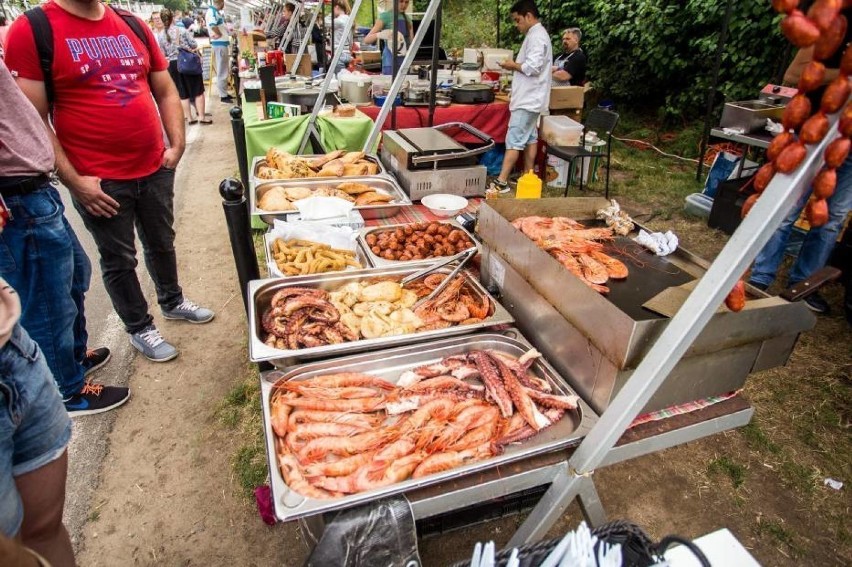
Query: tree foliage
column 661, row 54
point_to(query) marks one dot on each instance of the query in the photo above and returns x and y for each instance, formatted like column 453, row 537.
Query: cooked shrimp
column 438, row 462
column 280, row 412
column 345, row 393
column 296, row 481
column 344, row 379
column 443, row 383
column 340, row 467
column 374, row 475
column 361, row 405
column 365, row 420
column 316, row 449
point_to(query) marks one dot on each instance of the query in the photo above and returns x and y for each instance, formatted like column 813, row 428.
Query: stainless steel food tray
column 379, row 261
column 261, row 292
column 389, row 364
column 360, row 255
column 379, row 211
column 259, row 161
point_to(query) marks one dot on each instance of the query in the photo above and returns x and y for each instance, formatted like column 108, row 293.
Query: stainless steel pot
column 357, row 91
column 472, row 94
column 305, row 97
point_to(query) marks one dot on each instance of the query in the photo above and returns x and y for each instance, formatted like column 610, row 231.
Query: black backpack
column 43, row 37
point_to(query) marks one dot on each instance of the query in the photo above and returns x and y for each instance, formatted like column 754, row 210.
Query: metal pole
column 239, row 231
column 753, row 233
column 238, row 126
column 327, row 81
column 394, row 48
column 397, row 82
column 711, row 93
column 433, row 79
column 291, row 26
column 304, row 43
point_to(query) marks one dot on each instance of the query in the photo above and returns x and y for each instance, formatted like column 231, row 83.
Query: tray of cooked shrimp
column 332, row 314
column 343, row 431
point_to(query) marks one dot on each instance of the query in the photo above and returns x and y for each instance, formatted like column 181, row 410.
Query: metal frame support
column 304, row 43
column 291, row 28
column 326, row 82
column 753, row 233
column 396, row 86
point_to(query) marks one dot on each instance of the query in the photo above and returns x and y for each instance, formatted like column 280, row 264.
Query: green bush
column 660, row 54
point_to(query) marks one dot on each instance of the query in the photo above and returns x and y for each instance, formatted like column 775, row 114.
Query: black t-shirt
column 574, row 64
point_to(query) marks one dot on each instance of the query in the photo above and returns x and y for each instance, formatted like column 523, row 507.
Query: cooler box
column 561, row 131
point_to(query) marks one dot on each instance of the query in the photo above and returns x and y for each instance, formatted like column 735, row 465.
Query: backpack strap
column 134, row 24
column 43, row 37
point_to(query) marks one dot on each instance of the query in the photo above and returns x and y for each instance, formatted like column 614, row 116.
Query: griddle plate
column 649, row 275
column 429, row 141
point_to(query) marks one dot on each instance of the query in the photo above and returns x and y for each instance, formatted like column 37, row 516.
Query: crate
column 561, row 131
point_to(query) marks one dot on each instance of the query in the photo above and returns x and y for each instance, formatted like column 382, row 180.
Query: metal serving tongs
column 462, row 258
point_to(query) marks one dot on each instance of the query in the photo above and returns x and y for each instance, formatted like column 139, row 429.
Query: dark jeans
column 148, row 204
column 41, row 257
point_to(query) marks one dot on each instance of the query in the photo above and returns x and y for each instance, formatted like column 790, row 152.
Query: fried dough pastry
column 372, row 198
column 355, row 188
column 319, row 161
column 352, row 157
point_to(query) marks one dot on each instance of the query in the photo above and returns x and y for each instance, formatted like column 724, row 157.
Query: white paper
column 340, row 237
column 657, row 242
column 314, row 208
column 835, row 484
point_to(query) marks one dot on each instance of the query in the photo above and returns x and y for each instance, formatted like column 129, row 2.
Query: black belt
column 14, row 186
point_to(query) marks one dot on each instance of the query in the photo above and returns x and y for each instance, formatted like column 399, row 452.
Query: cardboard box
column 556, row 174
column 568, row 97
column 304, row 69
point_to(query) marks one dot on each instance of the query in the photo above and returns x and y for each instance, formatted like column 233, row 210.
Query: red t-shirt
column 104, row 113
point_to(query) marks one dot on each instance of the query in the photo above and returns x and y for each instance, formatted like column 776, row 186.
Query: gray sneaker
column 189, row 311
column 151, row 344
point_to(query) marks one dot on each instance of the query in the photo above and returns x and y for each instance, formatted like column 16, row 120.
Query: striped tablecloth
column 419, row 213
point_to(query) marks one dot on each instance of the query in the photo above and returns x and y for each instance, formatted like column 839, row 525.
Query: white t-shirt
column 531, row 85
column 339, row 27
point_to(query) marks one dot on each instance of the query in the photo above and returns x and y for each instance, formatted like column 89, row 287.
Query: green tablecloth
column 286, row 133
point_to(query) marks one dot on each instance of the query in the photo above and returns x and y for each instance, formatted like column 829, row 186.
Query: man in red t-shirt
column 110, row 151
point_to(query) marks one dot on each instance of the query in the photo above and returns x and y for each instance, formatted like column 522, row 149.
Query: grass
column 724, row 465
column 240, row 412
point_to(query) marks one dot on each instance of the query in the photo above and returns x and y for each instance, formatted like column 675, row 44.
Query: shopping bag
column 188, row 62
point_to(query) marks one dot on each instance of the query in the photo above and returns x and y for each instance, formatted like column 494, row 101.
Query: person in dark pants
column 41, row 257
column 190, row 87
column 114, row 161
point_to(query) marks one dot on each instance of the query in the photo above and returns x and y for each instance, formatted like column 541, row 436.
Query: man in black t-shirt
column 569, row 68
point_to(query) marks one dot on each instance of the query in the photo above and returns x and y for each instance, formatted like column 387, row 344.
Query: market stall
column 491, row 118
column 566, row 349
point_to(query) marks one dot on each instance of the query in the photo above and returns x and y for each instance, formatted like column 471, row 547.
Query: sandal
column 191, row 121
column 206, row 121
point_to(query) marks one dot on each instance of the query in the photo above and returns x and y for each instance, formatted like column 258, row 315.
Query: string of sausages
column 824, row 29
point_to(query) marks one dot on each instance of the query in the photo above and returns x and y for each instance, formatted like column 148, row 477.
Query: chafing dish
column 274, row 272
column 383, row 183
column 261, row 292
column 260, row 161
column 389, row 364
column 377, row 260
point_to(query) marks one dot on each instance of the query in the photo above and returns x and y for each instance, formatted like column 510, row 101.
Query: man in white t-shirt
column 530, row 91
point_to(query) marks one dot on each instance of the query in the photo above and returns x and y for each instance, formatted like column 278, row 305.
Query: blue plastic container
column 380, row 100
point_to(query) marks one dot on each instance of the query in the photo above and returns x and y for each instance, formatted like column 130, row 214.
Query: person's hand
column 87, row 190
column 171, row 157
column 508, row 64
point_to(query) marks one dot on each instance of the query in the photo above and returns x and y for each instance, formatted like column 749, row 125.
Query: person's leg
column 510, row 158
column 115, row 239
column 201, row 107
column 529, row 156
column 220, row 53
column 43, row 495
column 154, row 224
column 820, row 241
column 33, row 460
column 79, row 286
column 41, row 259
column 184, row 103
column 766, row 263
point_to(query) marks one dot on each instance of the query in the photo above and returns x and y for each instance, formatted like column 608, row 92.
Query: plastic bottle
column 529, row 186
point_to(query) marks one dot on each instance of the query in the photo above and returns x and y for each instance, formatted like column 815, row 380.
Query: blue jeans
column 34, row 426
column 41, row 257
column 818, row 243
column 146, row 204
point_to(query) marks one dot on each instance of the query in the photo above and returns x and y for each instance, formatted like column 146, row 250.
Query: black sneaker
column 227, row 99
column 95, row 358
column 817, row 304
column 96, row 398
